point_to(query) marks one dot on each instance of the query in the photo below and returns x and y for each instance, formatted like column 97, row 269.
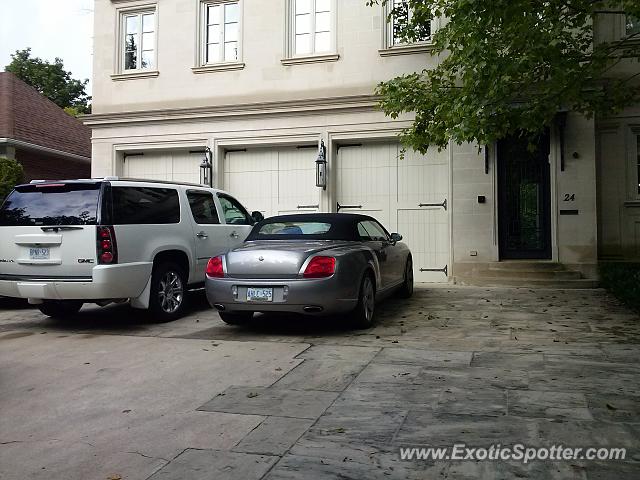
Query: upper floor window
column 313, row 27
column 632, row 25
column 138, row 40
column 221, row 32
column 399, row 15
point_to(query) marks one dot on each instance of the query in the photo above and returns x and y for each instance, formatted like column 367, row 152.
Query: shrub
column 623, row 280
column 11, row 174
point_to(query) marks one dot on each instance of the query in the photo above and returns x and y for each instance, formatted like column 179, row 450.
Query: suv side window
column 145, row 205
column 376, row 231
column 233, row 212
column 203, row 207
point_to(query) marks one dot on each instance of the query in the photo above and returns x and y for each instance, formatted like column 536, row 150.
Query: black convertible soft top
column 344, row 226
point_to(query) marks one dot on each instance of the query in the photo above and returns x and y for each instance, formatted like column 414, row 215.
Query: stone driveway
column 295, row 398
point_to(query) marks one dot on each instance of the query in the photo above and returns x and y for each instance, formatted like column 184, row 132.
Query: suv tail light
column 106, row 245
column 215, row 268
column 320, row 267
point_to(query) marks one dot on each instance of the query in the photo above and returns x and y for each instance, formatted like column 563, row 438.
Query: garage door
column 407, row 195
column 170, row 165
column 274, row 181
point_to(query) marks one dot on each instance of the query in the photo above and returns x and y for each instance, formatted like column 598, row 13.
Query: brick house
column 49, row 143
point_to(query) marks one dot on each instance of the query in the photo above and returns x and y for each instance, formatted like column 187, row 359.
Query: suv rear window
column 144, row 205
column 51, row 204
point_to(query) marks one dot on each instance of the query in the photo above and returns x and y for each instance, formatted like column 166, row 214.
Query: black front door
column 524, row 198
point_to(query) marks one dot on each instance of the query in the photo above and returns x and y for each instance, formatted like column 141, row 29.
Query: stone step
column 533, row 274
column 525, row 265
column 526, row 282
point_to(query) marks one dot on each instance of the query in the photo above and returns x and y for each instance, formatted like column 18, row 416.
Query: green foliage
column 11, row 174
column 505, row 66
column 51, row 80
column 623, row 280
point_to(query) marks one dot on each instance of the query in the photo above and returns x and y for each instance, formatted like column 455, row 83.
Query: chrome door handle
column 234, row 235
column 202, row 235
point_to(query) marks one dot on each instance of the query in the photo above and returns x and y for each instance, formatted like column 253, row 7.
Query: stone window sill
column 135, row 75
column 310, row 59
column 406, row 49
column 218, row 67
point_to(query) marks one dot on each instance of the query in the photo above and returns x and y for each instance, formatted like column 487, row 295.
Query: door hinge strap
column 442, row 205
column 444, row 270
column 308, row 206
column 340, row 207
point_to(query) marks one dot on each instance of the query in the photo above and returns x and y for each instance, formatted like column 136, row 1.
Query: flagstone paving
column 296, row 398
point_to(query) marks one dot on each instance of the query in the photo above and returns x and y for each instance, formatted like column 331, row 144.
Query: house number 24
column 569, row 197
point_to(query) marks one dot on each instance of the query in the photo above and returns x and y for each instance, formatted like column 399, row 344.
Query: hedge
column 11, row 174
column 622, row 279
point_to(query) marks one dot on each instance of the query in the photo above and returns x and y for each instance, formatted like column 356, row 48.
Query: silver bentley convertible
column 317, row 264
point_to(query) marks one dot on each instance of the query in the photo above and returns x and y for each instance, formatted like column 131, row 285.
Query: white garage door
column 407, row 195
column 170, row 165
column 274, row 181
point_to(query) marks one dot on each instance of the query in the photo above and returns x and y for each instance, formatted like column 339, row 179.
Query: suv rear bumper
column 107, row 282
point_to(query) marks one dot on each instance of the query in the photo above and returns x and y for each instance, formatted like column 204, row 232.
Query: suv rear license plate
column 38, row 254
column 260, row 294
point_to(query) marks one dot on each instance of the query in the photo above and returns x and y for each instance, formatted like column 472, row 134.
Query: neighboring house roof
column 27, row 116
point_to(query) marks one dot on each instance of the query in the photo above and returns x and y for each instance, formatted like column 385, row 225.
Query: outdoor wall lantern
column 321, row 166
column 206, row 168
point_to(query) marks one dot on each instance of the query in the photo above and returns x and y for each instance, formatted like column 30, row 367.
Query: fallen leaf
column 611, row 407
column 337, row 430
column 252, row 395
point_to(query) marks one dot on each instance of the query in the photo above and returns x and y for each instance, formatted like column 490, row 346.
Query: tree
column 507, row 66
column 11, row 174
column 51, row 80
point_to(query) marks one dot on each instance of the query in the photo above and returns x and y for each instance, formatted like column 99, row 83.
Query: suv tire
column 60, row 308
column 168, row 289
column 235, row 318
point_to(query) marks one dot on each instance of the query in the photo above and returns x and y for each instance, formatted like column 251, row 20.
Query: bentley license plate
column 259, row 294
column 39, row 254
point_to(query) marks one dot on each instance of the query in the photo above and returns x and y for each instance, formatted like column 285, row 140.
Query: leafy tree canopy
column 506, row 66
column 11, row 174
column 51, row 80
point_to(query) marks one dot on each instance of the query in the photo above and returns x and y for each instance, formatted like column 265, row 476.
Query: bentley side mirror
column 257, row 216
column 396, row 237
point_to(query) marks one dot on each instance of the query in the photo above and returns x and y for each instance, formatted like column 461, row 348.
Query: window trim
column 201, row 65
column 291, row 58
column 121, row 14
column 389, row 48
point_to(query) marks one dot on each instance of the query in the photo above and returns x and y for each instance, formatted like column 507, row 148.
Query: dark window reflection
column 63, row 205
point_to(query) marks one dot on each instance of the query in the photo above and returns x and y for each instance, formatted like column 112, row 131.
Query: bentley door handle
column 202, row 235
column 234, row 235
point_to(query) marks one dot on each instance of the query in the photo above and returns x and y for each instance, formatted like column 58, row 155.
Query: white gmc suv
column 65, row 243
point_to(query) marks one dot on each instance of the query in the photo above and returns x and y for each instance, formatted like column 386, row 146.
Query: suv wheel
column 235, row 318
column 60, row 308
column 168, row 288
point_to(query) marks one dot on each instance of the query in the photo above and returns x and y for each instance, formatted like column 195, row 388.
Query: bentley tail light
column 320, row 267
column 107, row 248
column 214, row 268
